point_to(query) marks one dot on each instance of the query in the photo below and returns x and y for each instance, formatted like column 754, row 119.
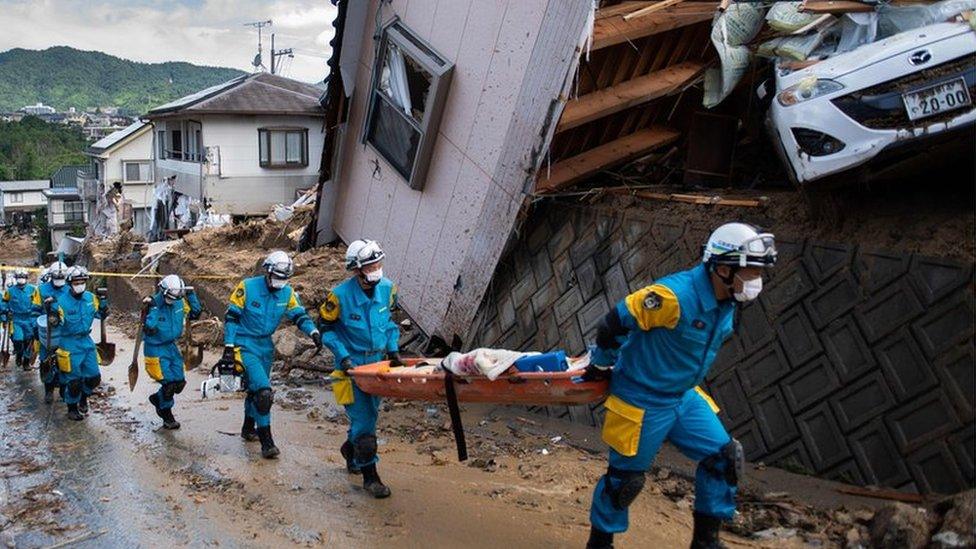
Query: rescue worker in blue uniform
column 661, row 342
column 77, row 357
column 358, row 327
column 167, row 312
column 53, row 285
column 18, row 308
column 256, row 307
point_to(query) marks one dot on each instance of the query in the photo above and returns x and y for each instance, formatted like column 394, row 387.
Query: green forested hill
column 34, row 149
column 64, row 77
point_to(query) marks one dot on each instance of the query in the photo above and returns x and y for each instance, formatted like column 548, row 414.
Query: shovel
column 191, row 360
column 134, row 367
column 106, row 350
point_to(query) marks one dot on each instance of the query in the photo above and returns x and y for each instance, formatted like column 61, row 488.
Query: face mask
column 750, row 289
column 21, row 281
column 277, row 283
column 57, row 282
column 78, row 288
column 169, row 300
column 375, row 276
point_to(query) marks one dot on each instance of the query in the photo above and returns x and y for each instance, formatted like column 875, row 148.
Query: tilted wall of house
column 232, row 176
column 855, row 364
column 512, row 60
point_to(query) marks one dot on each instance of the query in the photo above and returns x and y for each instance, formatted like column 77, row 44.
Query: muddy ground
column 117, row 479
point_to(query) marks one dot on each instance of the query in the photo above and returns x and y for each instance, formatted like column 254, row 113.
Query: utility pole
column 275, row 54
column 257, row 63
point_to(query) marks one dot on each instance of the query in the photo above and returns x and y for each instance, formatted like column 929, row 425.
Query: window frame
column 441, row 70
column 16, row 197
column 125, row 167
column 264, row 139
column 69, row 216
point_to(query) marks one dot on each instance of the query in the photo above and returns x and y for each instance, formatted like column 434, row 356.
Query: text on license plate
column 935, row 99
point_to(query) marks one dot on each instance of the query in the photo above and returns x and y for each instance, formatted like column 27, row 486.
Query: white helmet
column 172, row 288
column 45, row 275
column 740, row 245
column 78, row 274
column 20, row 274
column 58, row 270
column 363, row 252
column 279, row 265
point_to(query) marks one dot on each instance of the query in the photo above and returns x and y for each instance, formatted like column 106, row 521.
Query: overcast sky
column 203, row 32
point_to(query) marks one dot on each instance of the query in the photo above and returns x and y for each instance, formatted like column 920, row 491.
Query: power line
column 257, row 63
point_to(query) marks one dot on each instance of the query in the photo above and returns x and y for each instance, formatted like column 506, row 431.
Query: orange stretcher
column 527, row 388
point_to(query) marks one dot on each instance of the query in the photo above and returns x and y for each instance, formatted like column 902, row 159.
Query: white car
column 903, row 91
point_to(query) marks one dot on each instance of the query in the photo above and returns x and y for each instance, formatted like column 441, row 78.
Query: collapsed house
column 505, row 154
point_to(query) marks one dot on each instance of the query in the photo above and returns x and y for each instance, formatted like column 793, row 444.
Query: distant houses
column 235, row 149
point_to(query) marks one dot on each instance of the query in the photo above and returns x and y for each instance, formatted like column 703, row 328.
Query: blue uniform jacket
column 255, row 311
column 359, row 327
column 164, row 322
column 19, row 302
column 676, row 329
column 78, row 313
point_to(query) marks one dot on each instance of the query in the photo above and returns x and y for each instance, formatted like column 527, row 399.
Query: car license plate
column 935, row 99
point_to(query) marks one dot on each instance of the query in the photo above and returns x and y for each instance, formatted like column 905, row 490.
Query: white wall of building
column 232, row 176
column 23, row 200
column 511, row 61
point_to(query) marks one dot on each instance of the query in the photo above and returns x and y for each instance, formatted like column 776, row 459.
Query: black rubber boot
column 48, row 393
column 373, row 484
column 268, row 448
column 706, row 532
column 73, row 413
column 346, row 451
column 83, row 403
column 248, row 432
column 169, row 422
column 599, row 539
column 154, row 400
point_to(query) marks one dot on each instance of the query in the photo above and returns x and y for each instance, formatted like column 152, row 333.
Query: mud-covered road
column 119, row 480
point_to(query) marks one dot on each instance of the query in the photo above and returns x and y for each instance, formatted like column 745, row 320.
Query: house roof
column 114, row 139
column 66, row 176
column 24, row 185
column 258, row 93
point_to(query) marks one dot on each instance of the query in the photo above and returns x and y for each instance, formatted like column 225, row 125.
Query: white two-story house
column 120, row 164
column 240, row 147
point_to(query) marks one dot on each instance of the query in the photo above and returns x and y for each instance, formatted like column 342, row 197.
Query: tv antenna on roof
column 257, row 63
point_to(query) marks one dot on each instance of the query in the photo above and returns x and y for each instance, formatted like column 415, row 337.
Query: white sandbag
column 731, row 30
column 787, row 17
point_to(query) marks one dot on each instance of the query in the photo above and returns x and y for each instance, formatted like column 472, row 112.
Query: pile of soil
column 17, row 249
column 214, row 261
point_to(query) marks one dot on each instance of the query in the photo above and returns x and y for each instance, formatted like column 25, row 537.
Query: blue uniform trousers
column 257, row 354
column 690, row 424
column 170, row 369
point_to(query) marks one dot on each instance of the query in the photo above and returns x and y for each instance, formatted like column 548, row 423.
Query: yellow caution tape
column 127, row 275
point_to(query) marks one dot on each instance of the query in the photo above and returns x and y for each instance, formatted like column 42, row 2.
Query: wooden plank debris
column 571, row 170
column 651, row 9
column 836, row 6
column 713, row 200
column 614, row 29
column 642, row 89
column 878, row 493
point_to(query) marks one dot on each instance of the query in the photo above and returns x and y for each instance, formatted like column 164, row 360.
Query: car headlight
column 807, row 89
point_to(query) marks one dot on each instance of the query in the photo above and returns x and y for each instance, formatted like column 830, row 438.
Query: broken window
column 410, row 83
column 283, row 148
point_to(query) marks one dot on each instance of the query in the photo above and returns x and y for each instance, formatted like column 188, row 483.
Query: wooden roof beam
column 612, row 28
column 571, row 170
column 642, row 89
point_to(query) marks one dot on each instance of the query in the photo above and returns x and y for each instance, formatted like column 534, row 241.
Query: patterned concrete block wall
column 854, row 364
